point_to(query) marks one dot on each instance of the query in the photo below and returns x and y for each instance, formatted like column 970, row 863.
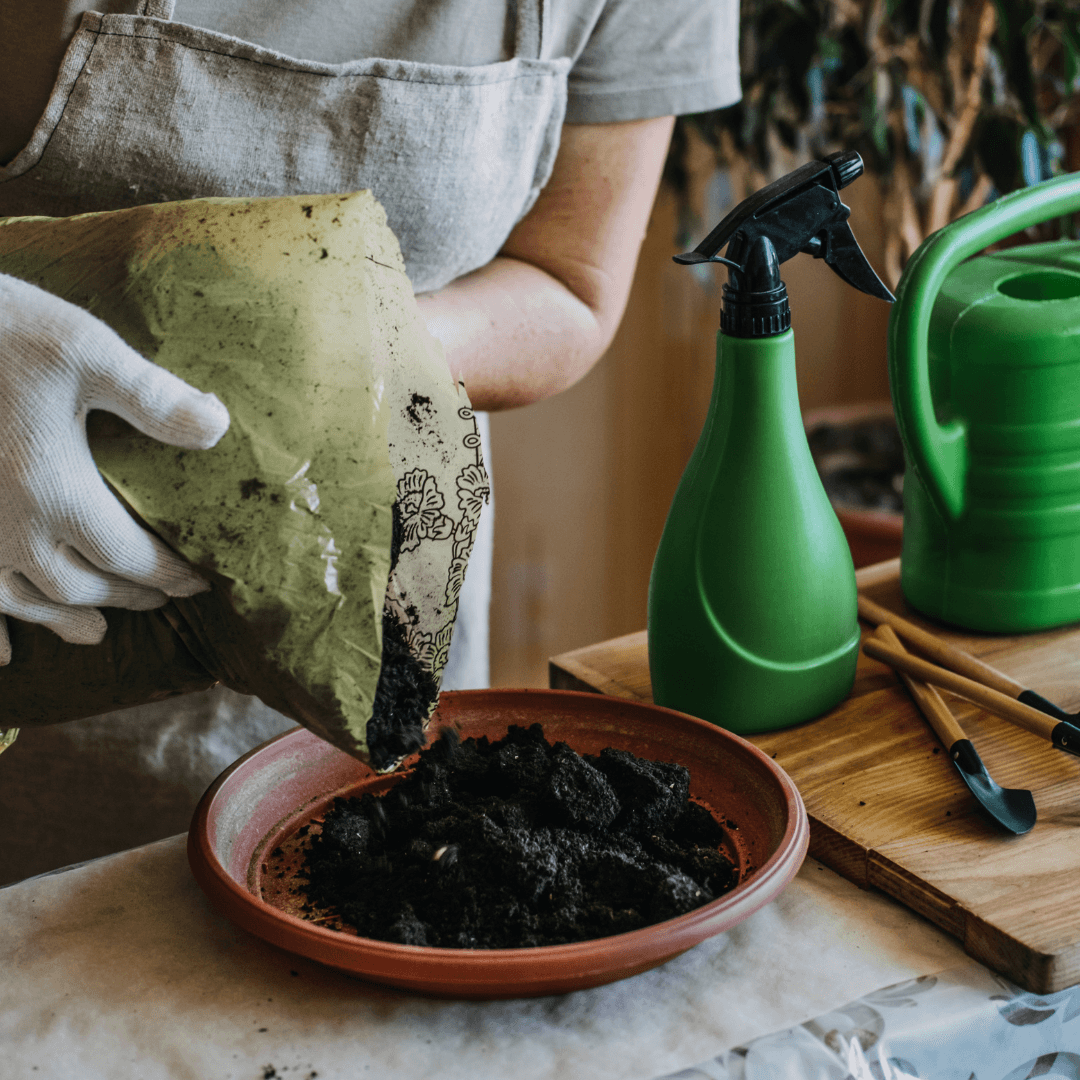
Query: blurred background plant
column 950, row 102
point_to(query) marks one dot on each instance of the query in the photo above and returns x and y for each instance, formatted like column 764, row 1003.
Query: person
column 516, row 146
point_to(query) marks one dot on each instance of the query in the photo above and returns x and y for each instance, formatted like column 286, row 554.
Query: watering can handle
column 938, row 452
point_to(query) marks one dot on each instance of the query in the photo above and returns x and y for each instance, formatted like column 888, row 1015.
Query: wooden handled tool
column 959, row 661
column 1012, row 808
column 928, row 699
column 1063, row 735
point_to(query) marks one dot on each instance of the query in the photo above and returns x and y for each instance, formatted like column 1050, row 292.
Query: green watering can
column 984, row 362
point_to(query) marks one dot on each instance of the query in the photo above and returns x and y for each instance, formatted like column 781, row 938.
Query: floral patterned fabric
column 438, row 507
column 966, row 1024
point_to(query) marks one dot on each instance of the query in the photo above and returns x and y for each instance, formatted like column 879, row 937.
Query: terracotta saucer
column 259, row 802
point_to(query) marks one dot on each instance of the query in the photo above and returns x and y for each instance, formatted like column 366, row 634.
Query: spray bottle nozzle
column 692, row 258
column 801, row 211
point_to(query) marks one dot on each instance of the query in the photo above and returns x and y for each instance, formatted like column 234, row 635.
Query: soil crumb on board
column 517, row 843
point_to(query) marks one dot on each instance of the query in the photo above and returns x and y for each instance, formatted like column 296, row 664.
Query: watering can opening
column 1041, row 285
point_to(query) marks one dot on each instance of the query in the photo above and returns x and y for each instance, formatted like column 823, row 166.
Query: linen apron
column 146, row 110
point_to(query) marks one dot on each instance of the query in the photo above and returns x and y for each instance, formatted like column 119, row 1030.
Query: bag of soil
column 321, row 519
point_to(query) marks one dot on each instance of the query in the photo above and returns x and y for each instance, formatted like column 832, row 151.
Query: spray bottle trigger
column 840, row 250
column 800, row 212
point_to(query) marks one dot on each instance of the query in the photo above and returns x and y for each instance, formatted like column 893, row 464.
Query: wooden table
column 888, row 809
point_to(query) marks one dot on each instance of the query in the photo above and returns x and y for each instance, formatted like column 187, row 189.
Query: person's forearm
column 535, row 320
column 513, row 334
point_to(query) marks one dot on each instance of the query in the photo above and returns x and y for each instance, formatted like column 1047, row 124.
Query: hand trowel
column 1012, row 808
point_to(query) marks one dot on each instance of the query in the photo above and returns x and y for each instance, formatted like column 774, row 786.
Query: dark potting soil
column 517, row 843
column 403, row 698
column 405, row 692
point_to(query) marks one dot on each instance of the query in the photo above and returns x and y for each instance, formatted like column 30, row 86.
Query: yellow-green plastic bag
column 298, row 314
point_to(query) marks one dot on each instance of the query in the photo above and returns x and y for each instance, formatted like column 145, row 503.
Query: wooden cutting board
column 888, row 808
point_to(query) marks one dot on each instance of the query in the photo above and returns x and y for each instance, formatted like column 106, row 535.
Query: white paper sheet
column 120, row 969
column 967, row 1024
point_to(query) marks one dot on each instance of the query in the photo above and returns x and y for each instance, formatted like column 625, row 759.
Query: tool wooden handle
column 930, row 702
column 1000, row 704
column 947, row 655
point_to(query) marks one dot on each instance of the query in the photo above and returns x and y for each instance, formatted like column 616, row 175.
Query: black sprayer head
column 755, row 299
column 799, row 212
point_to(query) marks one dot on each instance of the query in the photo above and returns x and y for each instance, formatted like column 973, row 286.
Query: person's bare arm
column 536, row 318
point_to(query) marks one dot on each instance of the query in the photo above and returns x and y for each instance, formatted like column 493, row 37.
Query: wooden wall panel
column 583, row 481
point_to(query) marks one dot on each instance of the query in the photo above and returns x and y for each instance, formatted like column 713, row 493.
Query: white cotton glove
column 66, row 543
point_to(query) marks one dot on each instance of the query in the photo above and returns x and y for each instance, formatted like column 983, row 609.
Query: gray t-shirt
column 633, row 59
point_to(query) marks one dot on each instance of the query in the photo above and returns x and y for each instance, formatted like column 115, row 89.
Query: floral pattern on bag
column 427, row 519
column 421, row 504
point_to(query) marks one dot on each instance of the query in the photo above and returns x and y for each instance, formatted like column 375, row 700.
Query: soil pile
column 406, row 691
column 517, row 843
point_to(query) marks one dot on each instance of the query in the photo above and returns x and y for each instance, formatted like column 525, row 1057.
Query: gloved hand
column 66, row 543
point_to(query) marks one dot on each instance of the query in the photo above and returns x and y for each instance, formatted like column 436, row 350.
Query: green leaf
column 876, row 124
column 1014, row 26
column 1068, row 33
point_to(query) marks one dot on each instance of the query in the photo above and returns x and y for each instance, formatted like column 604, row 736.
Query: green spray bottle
column 752, row 600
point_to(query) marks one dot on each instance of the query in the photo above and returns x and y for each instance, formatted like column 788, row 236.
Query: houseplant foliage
column 950, row 102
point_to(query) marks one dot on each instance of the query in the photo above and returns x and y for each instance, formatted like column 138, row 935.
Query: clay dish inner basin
column 256, row 807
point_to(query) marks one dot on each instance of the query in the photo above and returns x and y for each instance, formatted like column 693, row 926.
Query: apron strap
column 532, row 23
column 156, row 9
